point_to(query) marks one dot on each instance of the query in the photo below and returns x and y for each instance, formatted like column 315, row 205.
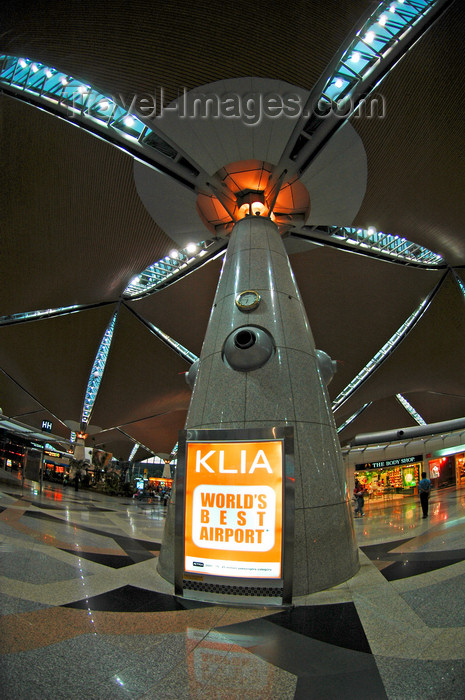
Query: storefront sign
column 51, row 453
column 399, row 462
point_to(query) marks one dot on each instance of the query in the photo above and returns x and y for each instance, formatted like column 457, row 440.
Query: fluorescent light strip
column 386, row 26
column 97, row 370
column 461, row 284
column 133, row 451
column 396, row 247
column 31, row 315
column 78, row 99
column 409, row 408
column 156, row 274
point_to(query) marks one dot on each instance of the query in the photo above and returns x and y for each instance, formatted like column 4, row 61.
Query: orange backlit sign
column 234, row 508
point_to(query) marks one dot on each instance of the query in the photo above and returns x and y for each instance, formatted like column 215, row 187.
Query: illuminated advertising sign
column 231, row 505
column 233, row 508
column 51, row 453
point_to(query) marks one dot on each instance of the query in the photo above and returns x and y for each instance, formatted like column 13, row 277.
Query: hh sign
column 234, row 508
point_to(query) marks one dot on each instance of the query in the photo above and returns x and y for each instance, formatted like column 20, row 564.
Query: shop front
column 55, row 466
column 391, row 477
column 444, row 471
column 160, row 484
column 460, row 468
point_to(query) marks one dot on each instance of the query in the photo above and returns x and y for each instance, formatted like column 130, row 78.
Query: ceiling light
column 22, row 63
column 34, row 68
column 392, row 8
column 355, row 58
column 191, row 248
column 174, row 254
column 382, row 20
column 339, row 83
column 369, row 37
column 371, row 230
column 251, row 202
column 103, row 105
column 82, row 89
column 64, row 81
column 48, row 73
column 129, row 121
column 257, row 208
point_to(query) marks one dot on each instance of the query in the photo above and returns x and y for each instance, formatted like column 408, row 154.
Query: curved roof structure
column 130, row 130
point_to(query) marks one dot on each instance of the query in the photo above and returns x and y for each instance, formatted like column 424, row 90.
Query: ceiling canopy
column 344, row 117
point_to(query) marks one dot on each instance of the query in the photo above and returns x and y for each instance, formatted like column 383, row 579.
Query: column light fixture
column 251, row 202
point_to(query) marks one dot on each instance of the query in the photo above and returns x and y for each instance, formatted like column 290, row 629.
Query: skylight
column 170, row 266
column 97, row 371
column 33, row 315
column 395, row 247
column 133, row 451
column 74, row 98
column 387, row 25
column 409, row 408
column 461, row 284
column 372, row 243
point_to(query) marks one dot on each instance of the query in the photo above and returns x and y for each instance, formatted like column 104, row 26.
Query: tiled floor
column 85, row 614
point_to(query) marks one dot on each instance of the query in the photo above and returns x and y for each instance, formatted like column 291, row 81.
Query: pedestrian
column 359, row 493
column 424, row 489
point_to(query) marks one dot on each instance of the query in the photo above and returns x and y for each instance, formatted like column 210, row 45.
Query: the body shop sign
column 234, row 508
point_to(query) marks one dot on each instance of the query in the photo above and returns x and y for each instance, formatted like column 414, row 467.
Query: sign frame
column 237, row 590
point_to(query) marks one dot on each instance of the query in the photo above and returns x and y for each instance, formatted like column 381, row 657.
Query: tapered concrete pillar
column 286, row 390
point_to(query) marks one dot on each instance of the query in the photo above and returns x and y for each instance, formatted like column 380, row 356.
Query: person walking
column 359, row 493
column 424, row 489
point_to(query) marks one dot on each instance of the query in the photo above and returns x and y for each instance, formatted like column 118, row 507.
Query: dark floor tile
column 150, row 546
column 45, row 516
column 385, row 552
column 135, row 549
column 337, row 624
column 47, row 505
column 324, row 670
column 115, row 561
column 381, row 550
column 129, row 599
column 405, row 569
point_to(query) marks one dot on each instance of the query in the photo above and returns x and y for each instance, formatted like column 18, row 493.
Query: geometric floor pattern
column 84, row 613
